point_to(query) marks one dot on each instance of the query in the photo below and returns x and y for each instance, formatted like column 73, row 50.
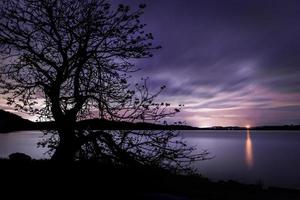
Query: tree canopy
column 68, row 60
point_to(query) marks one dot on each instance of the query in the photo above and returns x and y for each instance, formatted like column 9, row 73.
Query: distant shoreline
column 161, row 127
column 10, row 122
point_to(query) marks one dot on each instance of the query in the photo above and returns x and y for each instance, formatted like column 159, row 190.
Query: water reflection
column 249, row 151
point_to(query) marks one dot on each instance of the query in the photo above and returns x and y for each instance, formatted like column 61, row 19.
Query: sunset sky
column 230, row 62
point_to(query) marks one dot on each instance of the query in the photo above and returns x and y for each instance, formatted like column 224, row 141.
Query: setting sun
column 248, row 126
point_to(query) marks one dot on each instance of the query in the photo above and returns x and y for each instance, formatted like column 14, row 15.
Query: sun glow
column 248, row 126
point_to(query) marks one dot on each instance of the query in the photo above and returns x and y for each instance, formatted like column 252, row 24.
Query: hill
column 122, row 125
column 12, row 122
column 103, row 124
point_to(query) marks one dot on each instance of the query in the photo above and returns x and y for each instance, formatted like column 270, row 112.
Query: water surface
column 271, row 158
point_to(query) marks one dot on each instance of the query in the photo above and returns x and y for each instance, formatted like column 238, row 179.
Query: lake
column 271, row 158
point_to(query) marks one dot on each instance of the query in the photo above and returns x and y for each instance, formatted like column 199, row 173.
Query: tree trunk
column 68, row 143
column 67, row 147
column 65, row 124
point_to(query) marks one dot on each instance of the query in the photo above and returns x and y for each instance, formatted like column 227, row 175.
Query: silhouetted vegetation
column 72, row 60
column 94, row 180
column 11, row 122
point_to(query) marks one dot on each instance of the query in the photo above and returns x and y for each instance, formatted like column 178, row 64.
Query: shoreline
column 92, row 178
column 199, row 129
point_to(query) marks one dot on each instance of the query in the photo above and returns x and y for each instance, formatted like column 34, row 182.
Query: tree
column 67, row 60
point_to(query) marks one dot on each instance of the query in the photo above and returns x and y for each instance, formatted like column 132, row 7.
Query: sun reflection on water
column 249, row 151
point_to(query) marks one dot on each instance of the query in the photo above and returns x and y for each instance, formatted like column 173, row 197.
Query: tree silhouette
column 68, row 60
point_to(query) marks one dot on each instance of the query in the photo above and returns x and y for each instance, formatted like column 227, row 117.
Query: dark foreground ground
column 90, row 180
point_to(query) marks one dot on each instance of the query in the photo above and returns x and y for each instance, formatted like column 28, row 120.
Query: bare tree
column 68, row 60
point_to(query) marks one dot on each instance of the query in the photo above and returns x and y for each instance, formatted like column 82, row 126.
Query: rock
column 19, row 156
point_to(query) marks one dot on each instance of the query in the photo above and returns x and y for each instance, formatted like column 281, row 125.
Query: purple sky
column 232, row 62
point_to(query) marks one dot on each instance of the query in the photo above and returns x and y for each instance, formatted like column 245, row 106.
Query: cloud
column 241, row 56
column 230, row 62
